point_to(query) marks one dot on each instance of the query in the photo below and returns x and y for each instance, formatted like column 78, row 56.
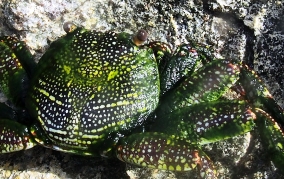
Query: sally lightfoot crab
column 107, row 94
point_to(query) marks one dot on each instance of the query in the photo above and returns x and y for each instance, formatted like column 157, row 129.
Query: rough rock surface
column 251, row 31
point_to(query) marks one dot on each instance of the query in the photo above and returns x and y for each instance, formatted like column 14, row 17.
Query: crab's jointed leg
column 14, row 136
column 174, row 147
column 270, row 117
column 16, row 66
column 157, row 150
column 192, row 114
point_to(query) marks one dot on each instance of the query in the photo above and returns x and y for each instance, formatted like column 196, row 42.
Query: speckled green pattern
column 157, row 150
column 14, row 137
column 272, row 137
column 207, row 84
column 94, row 84
column 175, row 68
column 96, row 93
column 13, row 57
column 259, row 96
column 208, row 122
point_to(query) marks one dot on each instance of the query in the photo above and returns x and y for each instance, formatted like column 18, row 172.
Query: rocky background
column 251, row 31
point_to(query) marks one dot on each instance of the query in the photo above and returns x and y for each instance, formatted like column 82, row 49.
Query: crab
column 111, row 94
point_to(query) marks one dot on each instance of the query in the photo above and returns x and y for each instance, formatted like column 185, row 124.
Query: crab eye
column 69, row 27
column 140, row 37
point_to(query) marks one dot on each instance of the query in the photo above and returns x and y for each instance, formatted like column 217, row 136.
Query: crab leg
column 258, row 95
column 173, row 68
column 176, row 67
column 207, row 122
column 14, row 136
column 207, row 84
column 157, row 150
column 270, row 117
column 272, row 137
column 201, row 119
column 16, row 66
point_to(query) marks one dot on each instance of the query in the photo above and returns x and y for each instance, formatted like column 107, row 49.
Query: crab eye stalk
column 69, row 27
column 140, row 37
